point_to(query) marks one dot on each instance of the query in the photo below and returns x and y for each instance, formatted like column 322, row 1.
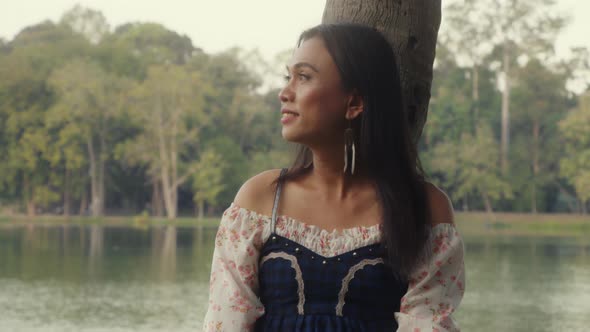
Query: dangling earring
column 349, row 148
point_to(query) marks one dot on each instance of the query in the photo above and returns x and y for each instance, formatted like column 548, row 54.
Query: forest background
column 136, row 119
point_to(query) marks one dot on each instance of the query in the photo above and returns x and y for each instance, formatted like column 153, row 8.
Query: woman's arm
column 436, row 288
column 233, row 288
column 233, row 293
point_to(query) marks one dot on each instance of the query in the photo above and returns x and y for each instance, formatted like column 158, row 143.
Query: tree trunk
column 572, row 206
column 31, row 208
column 536, row 129
column 84, row 201
column 505, row 110
column 95, row 202
column 67, row 193
column 201, row 209
column 475, row 96
column 411, row 28
column 157, row 204
column 168, row 191
column 487, row 203
column 29, row 201
column 101, row 174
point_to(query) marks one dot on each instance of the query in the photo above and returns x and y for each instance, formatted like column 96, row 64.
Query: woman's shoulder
column 441, row 207
column 257, row 193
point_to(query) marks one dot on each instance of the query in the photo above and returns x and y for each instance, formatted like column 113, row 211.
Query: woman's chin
column 289, row 135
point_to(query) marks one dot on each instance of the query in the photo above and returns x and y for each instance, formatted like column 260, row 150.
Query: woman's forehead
column 314, row 52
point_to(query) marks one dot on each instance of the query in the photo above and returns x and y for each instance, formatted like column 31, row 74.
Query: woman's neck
column 328, row 177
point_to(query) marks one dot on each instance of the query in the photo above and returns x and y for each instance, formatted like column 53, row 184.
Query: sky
column 271, row 26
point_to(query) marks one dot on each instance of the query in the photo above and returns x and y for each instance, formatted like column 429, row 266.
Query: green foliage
column 208, row 181
column 152, row 43
column 470, row 166
column 575, row 165
column 87, row 22
column 138, row 116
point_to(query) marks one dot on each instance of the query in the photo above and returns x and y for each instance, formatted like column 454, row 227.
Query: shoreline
column 468, row 223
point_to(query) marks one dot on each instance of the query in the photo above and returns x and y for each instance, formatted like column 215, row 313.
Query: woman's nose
column 285, row 94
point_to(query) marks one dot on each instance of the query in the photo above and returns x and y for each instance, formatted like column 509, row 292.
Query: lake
column 110, row 278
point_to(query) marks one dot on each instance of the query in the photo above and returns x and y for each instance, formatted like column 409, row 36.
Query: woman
column 351, row 237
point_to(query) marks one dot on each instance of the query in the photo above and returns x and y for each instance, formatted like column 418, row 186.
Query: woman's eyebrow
column 304, row 64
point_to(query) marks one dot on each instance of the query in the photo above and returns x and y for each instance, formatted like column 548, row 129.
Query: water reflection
column 94, row 251
column 526, row 284
column 92, row 277
column 164, row 251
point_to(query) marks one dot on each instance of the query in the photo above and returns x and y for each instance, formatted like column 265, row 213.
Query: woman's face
column 313, row 102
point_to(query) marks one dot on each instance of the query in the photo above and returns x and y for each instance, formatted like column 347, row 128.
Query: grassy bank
column 469, row 223
column 126, row 221
column 473, row 223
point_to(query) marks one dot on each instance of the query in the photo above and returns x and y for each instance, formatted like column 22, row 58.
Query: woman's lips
column 288, row 116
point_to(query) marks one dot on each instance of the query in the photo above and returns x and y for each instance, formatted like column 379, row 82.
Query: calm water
column 92, row 278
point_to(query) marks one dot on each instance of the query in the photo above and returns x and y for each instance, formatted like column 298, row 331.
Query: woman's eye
column 300, row 76
column 303, row 77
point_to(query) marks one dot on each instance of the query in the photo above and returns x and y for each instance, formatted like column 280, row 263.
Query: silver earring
column 349, row 143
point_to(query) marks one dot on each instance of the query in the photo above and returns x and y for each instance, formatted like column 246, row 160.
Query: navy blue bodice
column 303, row 291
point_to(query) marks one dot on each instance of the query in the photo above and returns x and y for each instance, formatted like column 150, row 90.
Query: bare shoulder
column 441, row 207
column 257, row 193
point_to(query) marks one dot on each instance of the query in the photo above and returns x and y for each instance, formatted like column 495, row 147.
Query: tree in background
column 539, row 95
column 207, row 181
column 92, row 104
column 471, row 167
column 523, row 27
column 168, row 108
column 575, row 165
column 87, row 22
column 175, row 119
column 468, row 34
column 24, row 98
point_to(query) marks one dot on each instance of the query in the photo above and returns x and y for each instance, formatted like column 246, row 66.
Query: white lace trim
column 323, row 242
column 349, row 276
column 298, row 276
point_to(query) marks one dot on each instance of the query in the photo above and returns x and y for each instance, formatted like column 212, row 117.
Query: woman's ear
column 354, row 105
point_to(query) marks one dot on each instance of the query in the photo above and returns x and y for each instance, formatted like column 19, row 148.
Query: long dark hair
column 385, row 149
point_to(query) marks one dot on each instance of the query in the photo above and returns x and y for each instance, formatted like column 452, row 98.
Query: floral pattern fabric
column 435, row 289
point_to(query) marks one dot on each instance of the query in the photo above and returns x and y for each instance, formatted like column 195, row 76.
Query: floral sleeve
column 233, row 301
column 437, row 287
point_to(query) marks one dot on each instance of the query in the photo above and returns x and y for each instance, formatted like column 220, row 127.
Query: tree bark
column 411, row 27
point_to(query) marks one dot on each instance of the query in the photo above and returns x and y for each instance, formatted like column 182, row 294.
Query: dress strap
column 275, row 206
